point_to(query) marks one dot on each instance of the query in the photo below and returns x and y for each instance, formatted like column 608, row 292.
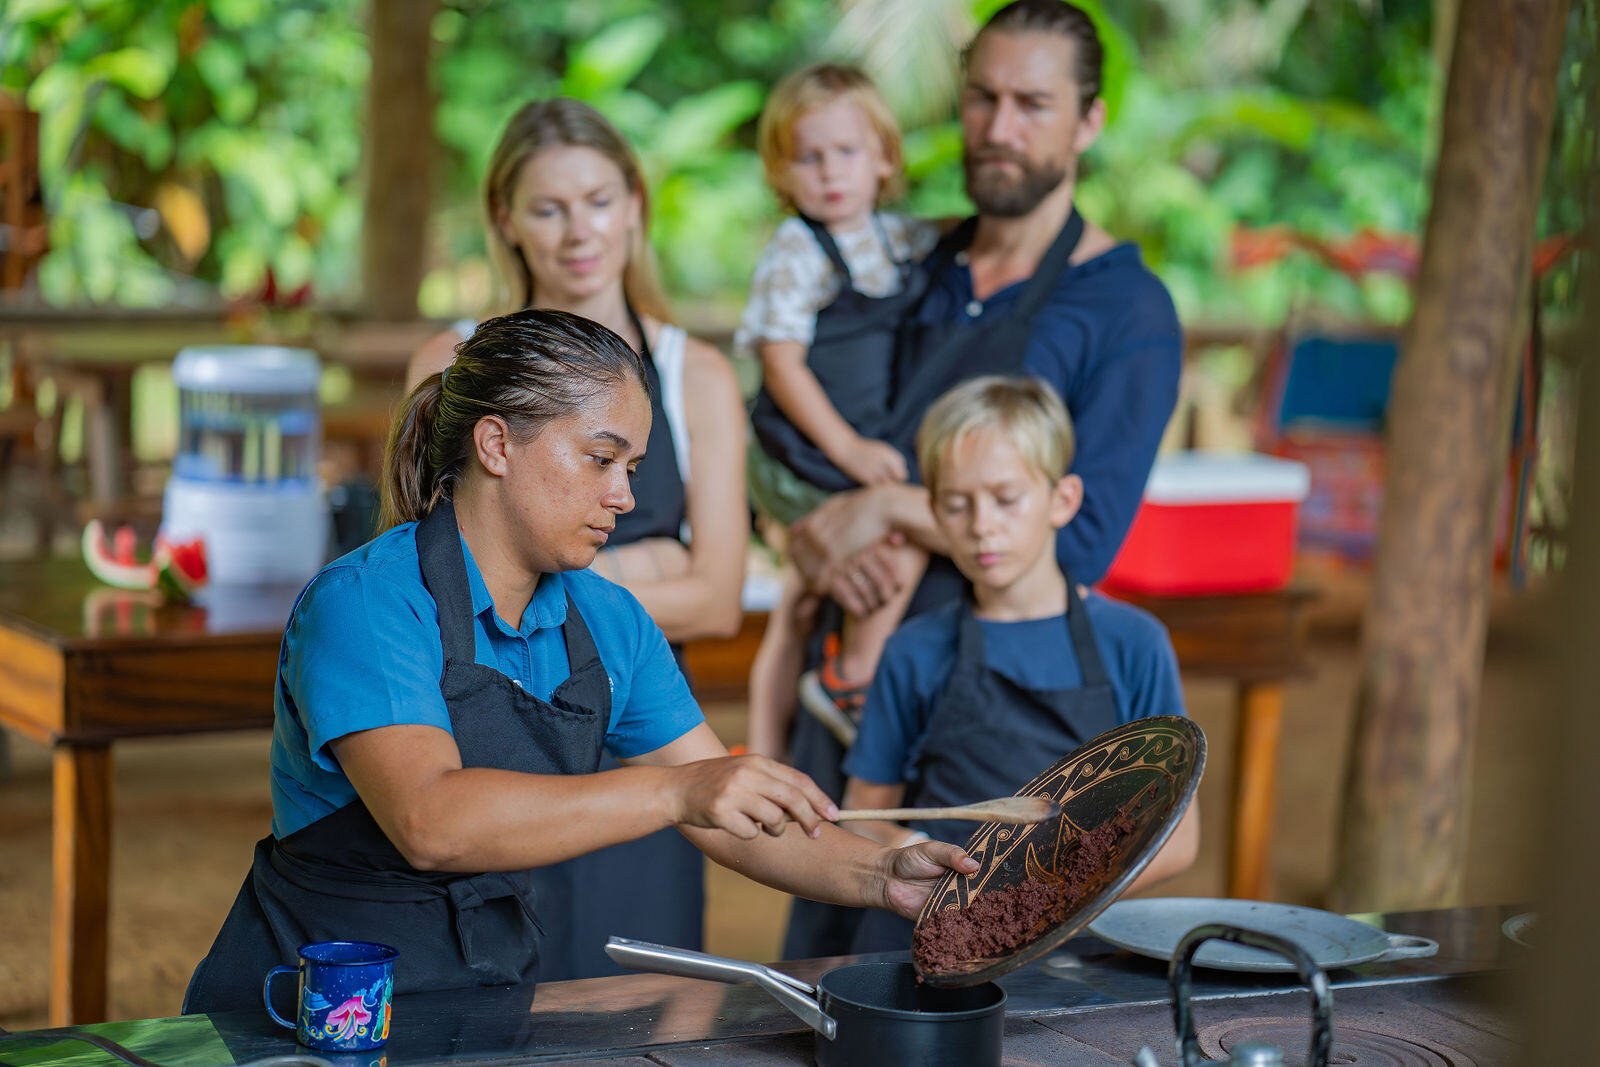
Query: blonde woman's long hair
column 563, row 122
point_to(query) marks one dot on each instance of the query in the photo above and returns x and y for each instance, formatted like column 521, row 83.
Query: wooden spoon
column 1005, row 809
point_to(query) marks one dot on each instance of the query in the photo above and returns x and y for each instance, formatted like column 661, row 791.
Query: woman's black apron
column 929, row 359
column 341, row 878
column 988, row 736
column 851, row 354
column 652, row 889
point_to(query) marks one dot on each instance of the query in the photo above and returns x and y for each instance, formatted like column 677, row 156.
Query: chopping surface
column 1084, row 1004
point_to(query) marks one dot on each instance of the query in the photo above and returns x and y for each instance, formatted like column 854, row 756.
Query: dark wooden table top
column 58, row 601
column 1249, row 637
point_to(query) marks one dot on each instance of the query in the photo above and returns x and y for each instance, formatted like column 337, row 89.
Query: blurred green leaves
column 238, row 123
column 248, row 109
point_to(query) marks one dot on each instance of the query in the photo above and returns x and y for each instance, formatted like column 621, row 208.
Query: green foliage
column 191, row 146
column 235, row 127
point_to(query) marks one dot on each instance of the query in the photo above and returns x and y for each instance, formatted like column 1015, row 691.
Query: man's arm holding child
column 845, row 548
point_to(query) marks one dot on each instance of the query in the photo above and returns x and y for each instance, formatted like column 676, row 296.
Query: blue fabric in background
column 1339, row 382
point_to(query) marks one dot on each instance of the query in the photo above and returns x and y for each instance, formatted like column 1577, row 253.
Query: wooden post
column 1403, row 838
column 401, row 151
column 1558, row 982
column 1255, row 790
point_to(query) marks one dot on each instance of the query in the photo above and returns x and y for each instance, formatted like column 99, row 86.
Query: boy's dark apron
column 851, row 354
column 652, row 889
column 929, row 359
column 341, row 878
column 988, row 736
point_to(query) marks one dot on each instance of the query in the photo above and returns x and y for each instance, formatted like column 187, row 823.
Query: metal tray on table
column 1154, row 926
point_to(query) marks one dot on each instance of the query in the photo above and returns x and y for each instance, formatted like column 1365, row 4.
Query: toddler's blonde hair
column 817, row 86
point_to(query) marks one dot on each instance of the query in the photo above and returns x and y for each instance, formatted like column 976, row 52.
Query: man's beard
column 1010, row 197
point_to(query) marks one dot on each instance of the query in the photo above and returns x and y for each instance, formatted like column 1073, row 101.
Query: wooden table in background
column 82, row 666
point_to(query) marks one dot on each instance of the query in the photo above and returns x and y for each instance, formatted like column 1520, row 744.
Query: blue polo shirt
column 362, row 649
column 1107, row 340
column 1034, row 653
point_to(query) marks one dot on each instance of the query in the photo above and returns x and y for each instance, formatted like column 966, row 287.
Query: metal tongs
column 1251, row 1054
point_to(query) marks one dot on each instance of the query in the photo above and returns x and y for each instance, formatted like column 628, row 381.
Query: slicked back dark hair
column 1064, row 20
column 528, row 367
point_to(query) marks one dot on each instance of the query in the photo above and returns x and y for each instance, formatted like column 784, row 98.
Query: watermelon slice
column 181, row 566
column 177, row 568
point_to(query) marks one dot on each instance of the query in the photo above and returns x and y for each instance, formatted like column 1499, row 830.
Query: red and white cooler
column 1212, row 523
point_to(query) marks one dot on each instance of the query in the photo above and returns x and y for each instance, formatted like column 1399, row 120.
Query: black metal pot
column 866, row 1014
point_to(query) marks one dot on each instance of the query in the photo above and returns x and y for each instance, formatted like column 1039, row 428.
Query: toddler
column 829, row 292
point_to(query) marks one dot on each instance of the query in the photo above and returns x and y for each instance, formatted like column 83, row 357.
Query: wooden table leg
column 1255, row 789
column 82, row 873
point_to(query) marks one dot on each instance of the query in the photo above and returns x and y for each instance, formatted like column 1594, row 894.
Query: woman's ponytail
column 410, row 483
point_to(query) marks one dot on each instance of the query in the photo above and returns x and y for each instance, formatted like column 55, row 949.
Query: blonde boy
column 972, row 700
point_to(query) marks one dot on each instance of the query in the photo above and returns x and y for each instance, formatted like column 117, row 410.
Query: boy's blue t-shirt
column 362, row 649
column 1036, row 654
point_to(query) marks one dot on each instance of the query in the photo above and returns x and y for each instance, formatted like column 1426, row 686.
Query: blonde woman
column 567, row 214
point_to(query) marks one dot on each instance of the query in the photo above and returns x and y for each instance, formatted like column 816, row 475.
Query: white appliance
column 245, row 476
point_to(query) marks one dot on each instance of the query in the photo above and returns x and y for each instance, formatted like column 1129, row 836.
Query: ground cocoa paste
column 1000, row 921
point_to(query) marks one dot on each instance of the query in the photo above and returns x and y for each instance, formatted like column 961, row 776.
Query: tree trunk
column 400, row 155
column 1404, row 829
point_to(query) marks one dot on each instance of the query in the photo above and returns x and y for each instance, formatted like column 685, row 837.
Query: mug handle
column 266, row 993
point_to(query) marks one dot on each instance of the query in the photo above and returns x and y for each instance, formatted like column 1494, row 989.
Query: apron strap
column 1051, row 267
column 920, row 377
column 830, row 248
column 581, row 649
column 1083, row 643
column 444, row 574
column 644, row 338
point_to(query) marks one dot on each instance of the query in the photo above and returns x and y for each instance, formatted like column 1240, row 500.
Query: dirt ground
column 188, row 811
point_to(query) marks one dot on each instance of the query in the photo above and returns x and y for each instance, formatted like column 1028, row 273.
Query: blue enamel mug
column 345, row 990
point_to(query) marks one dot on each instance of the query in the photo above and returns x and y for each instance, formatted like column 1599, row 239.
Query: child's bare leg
column 776, row 668
column 862, row 637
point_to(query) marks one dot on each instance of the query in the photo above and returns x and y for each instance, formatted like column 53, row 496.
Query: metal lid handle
column 1179, row 977
column 1409, row 946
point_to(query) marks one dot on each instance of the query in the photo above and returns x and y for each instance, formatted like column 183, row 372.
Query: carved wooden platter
column 1152, row 765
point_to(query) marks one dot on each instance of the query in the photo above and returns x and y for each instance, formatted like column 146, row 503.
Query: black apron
column 341, row 877
column 851, row 354
column 929, row 359
column 651, row 889
column 659, row 501
column 988, row 736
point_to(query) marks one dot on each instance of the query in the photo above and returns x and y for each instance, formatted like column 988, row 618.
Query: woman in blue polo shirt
column 445, row 692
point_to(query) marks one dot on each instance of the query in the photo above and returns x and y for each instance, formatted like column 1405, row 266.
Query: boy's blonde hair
column 1026, row 410
column 817, row 86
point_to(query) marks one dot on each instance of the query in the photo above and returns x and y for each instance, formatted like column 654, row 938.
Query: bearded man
column 1027, row 286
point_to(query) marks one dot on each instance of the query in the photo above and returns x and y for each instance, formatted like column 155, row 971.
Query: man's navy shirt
column 1108, row 341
